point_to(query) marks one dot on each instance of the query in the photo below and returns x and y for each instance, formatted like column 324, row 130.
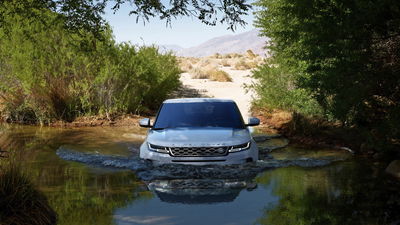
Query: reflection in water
column 111, row 185
column 79, row 194
column 347, row 193
column 193, row 191
column 19, row 197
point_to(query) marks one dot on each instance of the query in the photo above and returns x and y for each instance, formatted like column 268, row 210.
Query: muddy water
column 94, row 176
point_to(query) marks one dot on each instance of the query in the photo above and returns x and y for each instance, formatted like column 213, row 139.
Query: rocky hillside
column 238, row 43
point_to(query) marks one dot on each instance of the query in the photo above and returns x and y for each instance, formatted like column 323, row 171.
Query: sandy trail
column 234, row 90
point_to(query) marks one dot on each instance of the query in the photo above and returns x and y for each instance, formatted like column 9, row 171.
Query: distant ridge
column 238, row 43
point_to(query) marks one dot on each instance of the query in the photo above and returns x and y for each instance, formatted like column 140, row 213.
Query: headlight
column 238, row 148
column 157, row 148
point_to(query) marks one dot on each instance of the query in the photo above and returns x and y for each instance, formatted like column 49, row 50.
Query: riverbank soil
column 316, row 132
column 94, row 121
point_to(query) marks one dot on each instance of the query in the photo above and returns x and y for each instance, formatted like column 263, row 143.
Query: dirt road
column 234, row 90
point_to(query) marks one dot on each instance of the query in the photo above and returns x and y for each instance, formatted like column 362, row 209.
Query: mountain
column 174, row 48
column 238, row 43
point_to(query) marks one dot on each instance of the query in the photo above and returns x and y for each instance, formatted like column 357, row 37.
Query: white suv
column 199, row 131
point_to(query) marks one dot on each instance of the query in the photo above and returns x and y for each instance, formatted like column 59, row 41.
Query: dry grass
column 250, row 54
column 245, row 65
column 225, row 62
column 210, row 72
column 198, row 66
column 217, row 56
column 219, row 75
column 185, row 65
column 197, row 73
column 232, row 55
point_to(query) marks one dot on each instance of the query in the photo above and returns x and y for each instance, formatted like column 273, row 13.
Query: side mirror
column 145, row 122
column 253, row 121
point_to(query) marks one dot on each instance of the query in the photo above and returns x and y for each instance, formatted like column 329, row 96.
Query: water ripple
column 149, row 172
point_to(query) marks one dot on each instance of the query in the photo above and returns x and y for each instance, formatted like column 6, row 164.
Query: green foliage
column 347, row 193
column 87, row 15
column 343, row 54
column 49, row 73
column 277, row 88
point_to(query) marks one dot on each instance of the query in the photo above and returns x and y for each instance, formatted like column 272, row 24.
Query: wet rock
column 272, row 145
column 394, row 168
column 251, row 186
column 260, row 138
column 264, row 149
column 268, row 157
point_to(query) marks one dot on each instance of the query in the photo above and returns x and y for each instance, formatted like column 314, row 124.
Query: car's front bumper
column 244, row 156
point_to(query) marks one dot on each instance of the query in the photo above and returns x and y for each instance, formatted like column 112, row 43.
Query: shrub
column 185, row 64
column 250, row 54
column 48, row 73
column 245, row 65
column 219, row 75
column 277, row 89
column 349, row 63
column 217, row 56
column 210, row 72
column 225, row 62
column 197, row 73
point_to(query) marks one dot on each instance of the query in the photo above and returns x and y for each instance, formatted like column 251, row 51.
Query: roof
column 196, row 100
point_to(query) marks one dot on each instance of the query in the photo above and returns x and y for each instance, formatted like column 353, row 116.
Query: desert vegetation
column 48, row 72
column 212, row 67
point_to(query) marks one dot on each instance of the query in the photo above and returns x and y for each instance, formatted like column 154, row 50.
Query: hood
column 198, row 137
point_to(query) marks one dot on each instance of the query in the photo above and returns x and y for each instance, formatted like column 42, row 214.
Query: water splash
column 148, row 172
column 96, row 159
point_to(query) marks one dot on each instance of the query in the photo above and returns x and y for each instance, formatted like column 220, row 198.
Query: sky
column 185, row 31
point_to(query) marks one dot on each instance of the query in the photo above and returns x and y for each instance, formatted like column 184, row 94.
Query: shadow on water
column 21, row 203
column 94, row 176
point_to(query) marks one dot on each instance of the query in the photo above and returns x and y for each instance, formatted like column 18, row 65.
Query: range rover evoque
column 199, row 131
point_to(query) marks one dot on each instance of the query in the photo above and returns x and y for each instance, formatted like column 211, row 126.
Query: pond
column 94, row 176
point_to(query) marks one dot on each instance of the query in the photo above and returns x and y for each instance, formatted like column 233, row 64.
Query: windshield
column 204, row 114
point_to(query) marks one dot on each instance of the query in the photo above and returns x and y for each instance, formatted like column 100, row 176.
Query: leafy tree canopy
column 87, row 14
column 345, row 53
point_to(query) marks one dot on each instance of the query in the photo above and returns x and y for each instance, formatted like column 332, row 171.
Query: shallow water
column 94, row 176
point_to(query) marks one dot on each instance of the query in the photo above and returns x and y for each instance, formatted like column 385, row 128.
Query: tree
column 87, row 14
column 346, row 53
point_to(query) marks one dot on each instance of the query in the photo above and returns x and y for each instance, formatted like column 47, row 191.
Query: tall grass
column 20, row 202
column 48, row 73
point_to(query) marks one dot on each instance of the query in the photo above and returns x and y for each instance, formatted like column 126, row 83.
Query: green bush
column 277, row 89
column 48, row 73
column 344, row 54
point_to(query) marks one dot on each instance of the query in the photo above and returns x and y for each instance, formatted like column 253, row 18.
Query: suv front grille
column 198, row 151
